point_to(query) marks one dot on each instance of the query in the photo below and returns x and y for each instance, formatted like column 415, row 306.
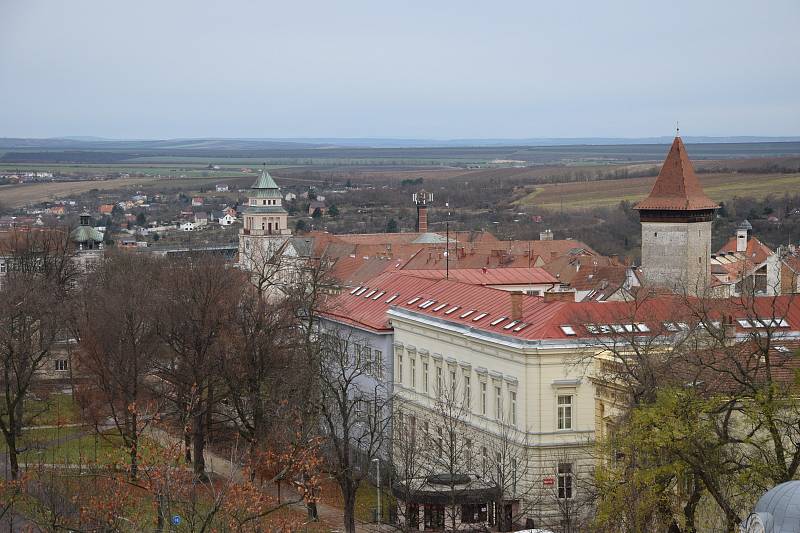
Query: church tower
column 266, row 225
column 676, row 227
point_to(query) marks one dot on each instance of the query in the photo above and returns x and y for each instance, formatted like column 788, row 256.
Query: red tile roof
column 677, row 187
column 756, row 253
column 490, row 276
column 487, row 309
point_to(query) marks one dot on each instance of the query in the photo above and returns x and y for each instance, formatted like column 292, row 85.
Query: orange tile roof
column 677, row 187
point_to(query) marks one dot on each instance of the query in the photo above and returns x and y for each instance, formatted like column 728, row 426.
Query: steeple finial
column 677, row 129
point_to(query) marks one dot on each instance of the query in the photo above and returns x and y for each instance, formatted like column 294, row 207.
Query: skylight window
column 439, row 307
column 604, row 328
column 630, row 328
column 782, row 349
column 642, row 327
column 370, row 293
column 497, row 320
column 770, row 323
column 452, row 309
column 413, row 300
column 362, row 291
column 377, row 296
column 591, row 328
column 478, row 317
column 465, row 315
column 568, row 330
column 392, row 298
column 744, row 323
column 355, row 290
column 521, row 327
column 511, row 324
column 671, row 326
column 427, row 304
column 618, row 328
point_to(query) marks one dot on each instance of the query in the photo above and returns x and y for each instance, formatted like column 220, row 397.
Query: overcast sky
column 422, row 69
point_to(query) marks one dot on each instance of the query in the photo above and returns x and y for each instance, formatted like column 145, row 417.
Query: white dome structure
column 777, row 511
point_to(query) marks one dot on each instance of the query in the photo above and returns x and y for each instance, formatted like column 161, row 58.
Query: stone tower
column 266, row 226
column 676, row 227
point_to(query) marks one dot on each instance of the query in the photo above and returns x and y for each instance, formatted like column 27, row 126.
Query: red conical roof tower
column 677, row 187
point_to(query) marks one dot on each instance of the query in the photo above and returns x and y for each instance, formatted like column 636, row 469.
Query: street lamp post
column 378, row 476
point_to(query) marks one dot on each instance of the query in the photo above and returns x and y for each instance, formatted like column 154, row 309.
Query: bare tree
column 197, row 301
column 355, row 415
column 34, row 297
column 119, row 345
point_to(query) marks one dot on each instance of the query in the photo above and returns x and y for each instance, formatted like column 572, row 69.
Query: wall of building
column 537, row 376
column 677, row 255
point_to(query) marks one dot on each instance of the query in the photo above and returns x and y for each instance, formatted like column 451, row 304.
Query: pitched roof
column 265, row 187
column 677, row 187
column 756, row 253
column 485, row 309
column 490, row 276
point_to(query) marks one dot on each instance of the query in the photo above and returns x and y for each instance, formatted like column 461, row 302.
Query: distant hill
column 249, row 144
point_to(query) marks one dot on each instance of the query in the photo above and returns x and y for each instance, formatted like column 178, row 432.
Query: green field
column 605, row 193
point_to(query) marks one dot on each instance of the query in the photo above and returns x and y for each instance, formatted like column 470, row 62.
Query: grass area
column 103, row 449
column 35, row 439
column 55, row 409
column 606, row 193
column 366, row 499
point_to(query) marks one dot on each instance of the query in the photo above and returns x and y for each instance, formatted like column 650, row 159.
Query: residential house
column 315, row 205
column 222, row 188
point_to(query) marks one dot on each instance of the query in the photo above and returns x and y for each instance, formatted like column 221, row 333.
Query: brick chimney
column 559, row 296
column 516, row 305
column 421, row 199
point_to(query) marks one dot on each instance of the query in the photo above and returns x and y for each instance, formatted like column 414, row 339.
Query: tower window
column 655, row 234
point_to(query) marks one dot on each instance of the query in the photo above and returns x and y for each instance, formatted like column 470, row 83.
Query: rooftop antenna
column 677, row 128
column 447, row 243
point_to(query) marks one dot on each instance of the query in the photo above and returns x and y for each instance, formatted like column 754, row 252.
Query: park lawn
column 53, row 410
column 36, row 439
column 366, row 499
column 103, row 449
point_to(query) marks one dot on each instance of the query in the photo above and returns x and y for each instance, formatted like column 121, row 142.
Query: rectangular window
column 357, row 354
column 439, row 441
column 512, row 407
column 565, row 411
column 467, row 393
column 378, row 363
column 62, row 365
column 483, row 397
column 413, row 370
column 425, row 378
column 366, row 357
column 453, row 385
column 468, row 453
column 513, row 475
column 565, row 481
column 412, row 423
column 498, row 407
column 438, row 381
column 400, row 368
column 484, row 459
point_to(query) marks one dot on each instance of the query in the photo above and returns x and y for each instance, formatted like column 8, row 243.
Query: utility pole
column 378, row 477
